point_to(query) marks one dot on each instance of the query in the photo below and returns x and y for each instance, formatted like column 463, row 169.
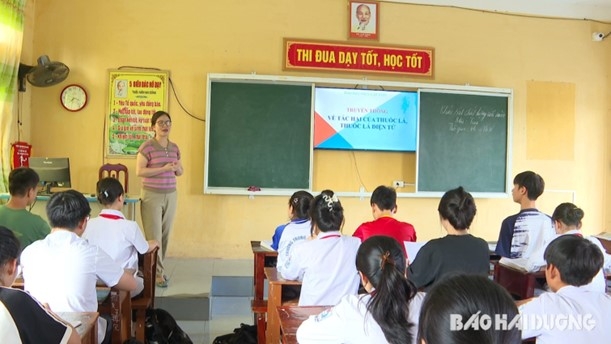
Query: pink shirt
column 158, row 156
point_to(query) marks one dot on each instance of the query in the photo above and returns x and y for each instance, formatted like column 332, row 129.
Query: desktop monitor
column 53, row 172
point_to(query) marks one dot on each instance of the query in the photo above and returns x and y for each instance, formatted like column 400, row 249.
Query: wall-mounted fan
column 46, row 73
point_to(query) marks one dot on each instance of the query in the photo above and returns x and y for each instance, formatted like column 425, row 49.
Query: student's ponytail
column 381, row 260
column 326, row 212
column 108, row 190
column 458, row 207
column 569, row 214
column 301, row 201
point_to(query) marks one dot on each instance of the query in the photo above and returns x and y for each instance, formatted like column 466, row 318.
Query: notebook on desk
column 267, row 244
column 71, row 318
column 516, row 263
column 604, row 235
column 412, row 249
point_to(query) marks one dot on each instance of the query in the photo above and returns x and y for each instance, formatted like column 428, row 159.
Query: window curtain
column 11, row 38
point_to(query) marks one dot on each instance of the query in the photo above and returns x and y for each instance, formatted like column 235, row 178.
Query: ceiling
column 599, row 10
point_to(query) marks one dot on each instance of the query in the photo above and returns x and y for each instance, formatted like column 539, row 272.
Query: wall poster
column 133, row 97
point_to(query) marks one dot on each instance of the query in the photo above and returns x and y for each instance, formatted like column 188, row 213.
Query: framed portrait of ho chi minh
column 364, row 20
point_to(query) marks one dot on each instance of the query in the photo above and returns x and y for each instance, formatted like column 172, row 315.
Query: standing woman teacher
column 158, row 163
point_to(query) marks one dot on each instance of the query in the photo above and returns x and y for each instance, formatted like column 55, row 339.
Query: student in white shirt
column 388, row 313
column 62, row 269
column 521, row 234
column 567, row 221
column 120, row 238
column 450, row 305
column 287, row 235
column 325, row 264
column 572, row 262
column 22, row 318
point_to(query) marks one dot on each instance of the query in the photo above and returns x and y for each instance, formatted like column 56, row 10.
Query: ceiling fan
column 45, row 73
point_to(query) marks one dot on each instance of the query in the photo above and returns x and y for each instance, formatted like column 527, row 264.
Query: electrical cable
column 358, row 173
column 171, row 86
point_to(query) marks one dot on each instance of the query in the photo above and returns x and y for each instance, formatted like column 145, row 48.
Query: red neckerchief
column 579, row 235
column 331, row 236
column 112, row 217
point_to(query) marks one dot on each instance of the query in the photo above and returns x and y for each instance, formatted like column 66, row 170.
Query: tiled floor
column 192, row 278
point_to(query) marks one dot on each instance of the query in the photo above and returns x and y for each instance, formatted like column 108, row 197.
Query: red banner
column 363, row 58
column 20, row 154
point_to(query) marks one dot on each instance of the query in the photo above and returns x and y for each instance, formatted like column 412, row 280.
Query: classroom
column 551, row 65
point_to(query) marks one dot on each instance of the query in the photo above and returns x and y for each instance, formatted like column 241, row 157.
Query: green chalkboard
column 259, row 135
column 462, row 141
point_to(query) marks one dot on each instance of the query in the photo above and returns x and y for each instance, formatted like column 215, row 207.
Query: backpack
column 161, row 328
column 245, row 334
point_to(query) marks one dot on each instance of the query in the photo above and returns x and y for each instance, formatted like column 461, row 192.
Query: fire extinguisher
column 20, row 154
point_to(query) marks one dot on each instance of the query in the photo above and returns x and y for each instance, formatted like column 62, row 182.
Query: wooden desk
column 88, row 330
column 292, row 316
column 606, row 244
column 100, row 288
column 519, row 283
column 274, row 300
column 119, row 306
column 262, row 256
column 18, row 284
column 494, row 258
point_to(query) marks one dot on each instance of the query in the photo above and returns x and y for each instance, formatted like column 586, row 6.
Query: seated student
column 388, row 313
column 121, row 239
column 383, row 207
column 287, row 235
column 22, row 319
column 460, row 298
column 576, row 314
column 567, row 221
column 523, row 233
column 62, row 269
column 325, row 264
column 23, row 187
column 457, row 252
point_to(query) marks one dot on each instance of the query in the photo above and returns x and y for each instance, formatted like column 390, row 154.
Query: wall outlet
column 398, row 184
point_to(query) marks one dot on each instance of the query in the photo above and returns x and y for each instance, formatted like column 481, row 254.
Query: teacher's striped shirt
column 158, row 156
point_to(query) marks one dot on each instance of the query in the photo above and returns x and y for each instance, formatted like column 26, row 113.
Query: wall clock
column 73, row 97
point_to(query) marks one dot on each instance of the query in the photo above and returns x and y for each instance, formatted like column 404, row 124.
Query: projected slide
column 365, row 120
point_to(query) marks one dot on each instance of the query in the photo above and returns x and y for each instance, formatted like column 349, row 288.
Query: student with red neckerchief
column 325, row 263
column 120, row 238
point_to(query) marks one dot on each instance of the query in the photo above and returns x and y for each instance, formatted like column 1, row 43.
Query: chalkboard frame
column 350, row 83
column 252, row 80
column 505, row 180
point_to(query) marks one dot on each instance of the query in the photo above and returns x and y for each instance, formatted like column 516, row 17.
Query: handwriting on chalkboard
column 472, row 119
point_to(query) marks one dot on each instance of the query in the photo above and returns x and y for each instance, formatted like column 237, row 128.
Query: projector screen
column 354, row 119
